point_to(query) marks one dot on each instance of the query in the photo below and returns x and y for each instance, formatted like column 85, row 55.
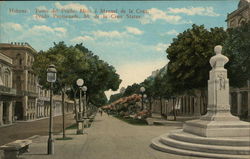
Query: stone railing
column 27, row 93
column 7, row 90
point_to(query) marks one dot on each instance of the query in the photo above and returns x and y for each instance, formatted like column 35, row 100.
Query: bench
column 15, row 148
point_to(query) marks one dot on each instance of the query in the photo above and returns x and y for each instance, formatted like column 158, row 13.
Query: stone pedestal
column 218, row 134
column 218, row 121
column 79, row 127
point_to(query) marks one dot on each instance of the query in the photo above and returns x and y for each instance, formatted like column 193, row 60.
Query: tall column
column 13, row 110
column 1, row 113
column 239, row 102
column 9, row 112
column 25, row 107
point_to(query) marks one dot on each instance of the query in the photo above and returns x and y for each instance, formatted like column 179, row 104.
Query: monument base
column 229, row 127
column 183, row 143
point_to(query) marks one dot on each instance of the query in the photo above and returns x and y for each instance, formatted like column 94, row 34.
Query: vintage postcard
column 147, row 79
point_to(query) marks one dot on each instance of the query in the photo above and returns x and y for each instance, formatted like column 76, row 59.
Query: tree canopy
column 74, row 62
column 189, row 56
column 237, row 48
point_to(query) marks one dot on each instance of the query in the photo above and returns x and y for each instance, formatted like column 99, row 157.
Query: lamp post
column 51, row 77
column 84, row 89
column 142, row 89
column 85, row 115
column 145, row 100
column 63, row 112
column 80, row 83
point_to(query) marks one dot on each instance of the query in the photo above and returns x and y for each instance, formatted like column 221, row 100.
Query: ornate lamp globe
column 84, row 88
column 142, row 89
column 80, row 82
column 51, row 73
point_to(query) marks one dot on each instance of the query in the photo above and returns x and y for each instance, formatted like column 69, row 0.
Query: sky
column 132, row 36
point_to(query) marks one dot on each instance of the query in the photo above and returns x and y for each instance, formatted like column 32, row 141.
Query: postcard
column 124, row 79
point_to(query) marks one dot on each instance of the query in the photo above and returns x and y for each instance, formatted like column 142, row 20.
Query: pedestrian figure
column 100, row 112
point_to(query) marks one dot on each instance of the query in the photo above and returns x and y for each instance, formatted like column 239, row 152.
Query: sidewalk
column 108, row 138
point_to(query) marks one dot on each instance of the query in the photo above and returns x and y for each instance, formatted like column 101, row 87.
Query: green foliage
column 72, row 63
column 237, row 48
column 134, row 88
column 115, row 97
column 132, row 121
column 189, row 56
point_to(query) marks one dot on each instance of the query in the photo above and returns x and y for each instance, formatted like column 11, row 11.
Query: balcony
column 26, row 93
column 7, row 91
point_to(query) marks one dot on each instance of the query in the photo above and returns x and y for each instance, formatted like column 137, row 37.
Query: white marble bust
column 218, row 60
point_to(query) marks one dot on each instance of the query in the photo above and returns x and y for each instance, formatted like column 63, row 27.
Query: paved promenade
column 25, row 129
column 108, row 138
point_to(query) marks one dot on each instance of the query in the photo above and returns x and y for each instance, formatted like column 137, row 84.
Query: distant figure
column 100, row 111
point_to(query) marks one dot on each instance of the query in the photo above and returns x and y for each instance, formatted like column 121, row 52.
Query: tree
column 73, row 62
column 189, row 56
column 134, row 88
column 237, row 48
column 115, row 97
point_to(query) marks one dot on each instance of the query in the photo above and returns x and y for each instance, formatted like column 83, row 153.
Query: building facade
column 7, row 93
column 24, row 79
column 21, row 97
column 240, row 16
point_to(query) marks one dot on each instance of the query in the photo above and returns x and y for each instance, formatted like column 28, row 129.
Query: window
column 19, row 59
column 7, row 78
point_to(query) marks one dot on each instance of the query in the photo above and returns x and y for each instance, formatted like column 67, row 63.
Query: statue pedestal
column 218, row 134
column 217, row 128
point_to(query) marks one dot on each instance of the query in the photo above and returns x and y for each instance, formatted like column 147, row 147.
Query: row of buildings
column 21, row 97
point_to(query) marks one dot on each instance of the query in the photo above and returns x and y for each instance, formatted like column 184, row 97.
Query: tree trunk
column 75, row 109
column 174, row 113
column 161, row 105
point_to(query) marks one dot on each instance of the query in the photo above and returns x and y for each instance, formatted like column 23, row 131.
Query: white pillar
column 239, row 102
column 25, row 107
column 9, row 112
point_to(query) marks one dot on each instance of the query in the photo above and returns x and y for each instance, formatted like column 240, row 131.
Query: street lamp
column 144, row 99
column 84, row 89
column 51, row 77
column 85, row 115
column 80, row 83
column 142, row 89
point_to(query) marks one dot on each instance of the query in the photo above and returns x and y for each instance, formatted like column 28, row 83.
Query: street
column 108, row 138
column 22, row 130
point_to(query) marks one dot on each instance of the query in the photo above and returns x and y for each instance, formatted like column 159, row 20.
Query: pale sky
column 134, row 46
